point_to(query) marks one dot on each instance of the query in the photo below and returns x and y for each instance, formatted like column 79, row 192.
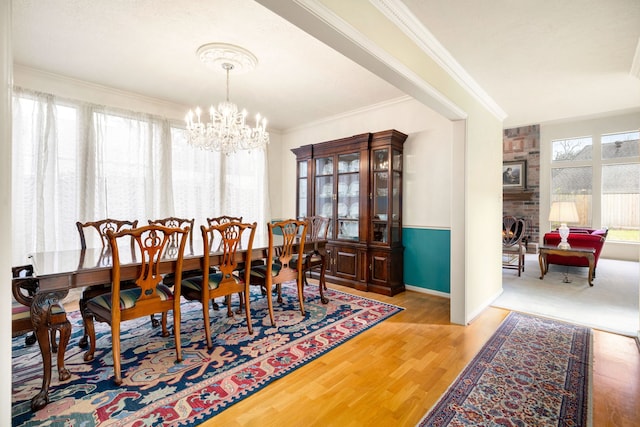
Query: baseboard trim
column 427, row 291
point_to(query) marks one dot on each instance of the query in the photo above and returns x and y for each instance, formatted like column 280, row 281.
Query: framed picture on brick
column 514, row 175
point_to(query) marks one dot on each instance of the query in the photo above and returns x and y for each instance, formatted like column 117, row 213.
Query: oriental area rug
column 157, row 391
column 532, row 372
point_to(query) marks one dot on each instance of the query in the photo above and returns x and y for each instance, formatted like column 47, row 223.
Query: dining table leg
column 45, row 320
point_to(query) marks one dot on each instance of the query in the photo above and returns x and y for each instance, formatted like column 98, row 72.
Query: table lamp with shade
column 563, row 212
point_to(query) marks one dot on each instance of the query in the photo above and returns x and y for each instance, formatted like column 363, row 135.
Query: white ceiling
column 540, row 60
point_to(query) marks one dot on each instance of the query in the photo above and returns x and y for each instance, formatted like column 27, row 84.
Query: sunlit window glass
column 572, row 149
column 620, row 145
column 621, row 201
column 574, row 184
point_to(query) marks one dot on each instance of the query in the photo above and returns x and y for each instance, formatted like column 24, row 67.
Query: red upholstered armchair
column 578, row 238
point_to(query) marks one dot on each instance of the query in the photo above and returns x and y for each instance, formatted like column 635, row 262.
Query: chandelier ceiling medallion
column 226, row 129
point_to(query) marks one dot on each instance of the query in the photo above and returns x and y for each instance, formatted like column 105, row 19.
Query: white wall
column 571, row 129
column 427, row 156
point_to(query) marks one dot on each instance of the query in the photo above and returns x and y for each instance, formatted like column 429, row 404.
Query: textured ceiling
column 540, row 61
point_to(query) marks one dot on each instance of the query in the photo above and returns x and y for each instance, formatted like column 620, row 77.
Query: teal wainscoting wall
column 427, row 258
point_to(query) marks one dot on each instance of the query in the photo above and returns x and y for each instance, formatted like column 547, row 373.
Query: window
column 621, row 186
column 574, row 149
column 74, row 161
column 194, row 174
column 601, row 175
column 572, row 175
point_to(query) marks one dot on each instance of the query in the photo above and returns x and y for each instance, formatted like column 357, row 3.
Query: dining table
column 58, row 272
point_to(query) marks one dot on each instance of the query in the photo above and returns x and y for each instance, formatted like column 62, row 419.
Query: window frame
column 597, row 164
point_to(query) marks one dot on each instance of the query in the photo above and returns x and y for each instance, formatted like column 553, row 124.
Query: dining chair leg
column 165, row 331
column 207, row 325
column 91, row 333
column 115, row 342
column 240, row 302
column 154, row 321
column 228, row 301
column 245, row 297
column 176, row 333
column 300, row 283
column 270, row 304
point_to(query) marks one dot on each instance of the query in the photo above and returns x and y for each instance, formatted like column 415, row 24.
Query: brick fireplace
column 523, row 143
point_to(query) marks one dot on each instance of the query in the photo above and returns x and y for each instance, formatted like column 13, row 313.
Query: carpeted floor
column 611, row 304
column 157, row 391
column 532, row 372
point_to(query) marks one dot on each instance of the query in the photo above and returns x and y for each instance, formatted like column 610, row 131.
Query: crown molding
column 398, row 13
column 349, row 114
column 73, row 88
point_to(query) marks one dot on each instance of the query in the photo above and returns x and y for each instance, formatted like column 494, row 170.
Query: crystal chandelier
column 226, row 129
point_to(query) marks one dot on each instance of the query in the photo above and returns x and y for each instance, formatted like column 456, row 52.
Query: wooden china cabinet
column 357, row 183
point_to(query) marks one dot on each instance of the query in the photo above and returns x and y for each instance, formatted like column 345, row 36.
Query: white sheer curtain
column 77, row 161
column 245, row 190
column 209, row 184
column 44, row 188
column 127, row 167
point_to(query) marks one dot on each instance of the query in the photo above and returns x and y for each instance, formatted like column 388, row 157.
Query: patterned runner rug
column 157, row 391
column 532, row 372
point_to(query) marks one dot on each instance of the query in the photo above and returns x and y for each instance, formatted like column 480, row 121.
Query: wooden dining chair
column 513, row 248
column 176, row 222
column 279, row 267
column 172, row 221
column 149, row 295
column 318, row 229
column 222, row 219
column 100, row 229
column 227, row 280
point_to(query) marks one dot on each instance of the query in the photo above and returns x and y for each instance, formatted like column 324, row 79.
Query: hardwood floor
column 391, row 374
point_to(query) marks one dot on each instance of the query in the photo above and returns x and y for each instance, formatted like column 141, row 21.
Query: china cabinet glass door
column 348, row 196
column 302, row 188
column 324, row 188
column 380, row 196
column 396, row 190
